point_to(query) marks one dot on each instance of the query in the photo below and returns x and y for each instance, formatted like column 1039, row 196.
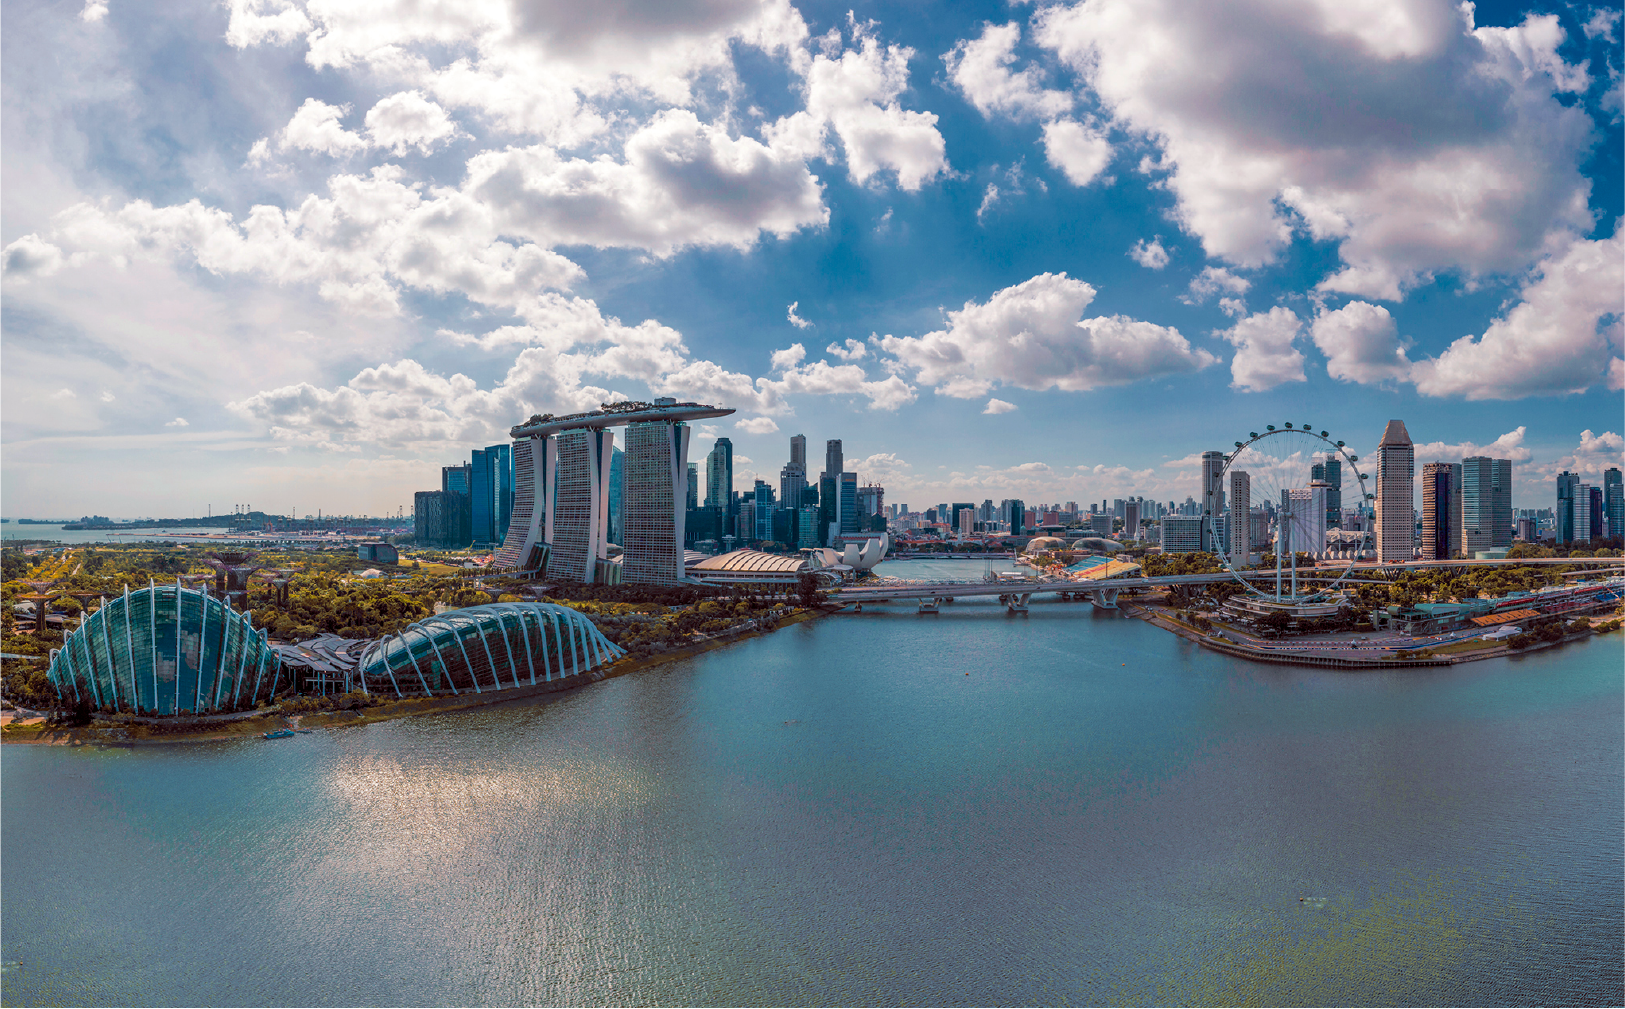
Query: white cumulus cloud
column 1033, row 336
column 1361, row 343
column 996, row 406
column 981, row 69
column 756, row 425
column 1563, row 336
column 1079, row 151
column 856, row 97
column 1508, row 446
column 1265, row 355
column 1150, row 255
column 796, row 320
column 1397, row 129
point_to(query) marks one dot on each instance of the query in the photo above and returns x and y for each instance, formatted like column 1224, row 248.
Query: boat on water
column 279, row 734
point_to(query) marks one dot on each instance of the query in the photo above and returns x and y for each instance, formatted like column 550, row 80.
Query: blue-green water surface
column 1098, row 812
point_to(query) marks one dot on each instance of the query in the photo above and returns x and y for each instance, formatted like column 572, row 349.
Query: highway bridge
column 1016, row 592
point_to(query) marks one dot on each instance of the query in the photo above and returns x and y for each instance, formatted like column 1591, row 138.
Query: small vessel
column 279, row 734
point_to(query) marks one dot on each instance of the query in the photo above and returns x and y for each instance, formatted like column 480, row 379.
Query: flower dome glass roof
column 480, row 648
column 166, row 649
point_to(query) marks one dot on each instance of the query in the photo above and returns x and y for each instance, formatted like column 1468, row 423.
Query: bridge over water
column 1015, row 593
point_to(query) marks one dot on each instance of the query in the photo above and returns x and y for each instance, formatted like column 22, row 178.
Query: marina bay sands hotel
column 561, row 493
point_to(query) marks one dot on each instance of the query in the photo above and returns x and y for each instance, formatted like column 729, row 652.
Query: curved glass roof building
column 480, row 648
column 167, row 649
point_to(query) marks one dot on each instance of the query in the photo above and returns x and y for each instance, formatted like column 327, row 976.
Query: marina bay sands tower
column 560, row 517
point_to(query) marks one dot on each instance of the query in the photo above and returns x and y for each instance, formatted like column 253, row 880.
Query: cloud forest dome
column 166, row 649
column 382, row 229
column 481, row 648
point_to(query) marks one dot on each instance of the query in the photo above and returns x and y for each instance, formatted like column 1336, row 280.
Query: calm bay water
column 836, row 813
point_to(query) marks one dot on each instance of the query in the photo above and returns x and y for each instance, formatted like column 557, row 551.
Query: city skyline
column 274, row 253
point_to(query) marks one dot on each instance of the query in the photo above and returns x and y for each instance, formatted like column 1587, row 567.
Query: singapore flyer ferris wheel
column 1288, row 514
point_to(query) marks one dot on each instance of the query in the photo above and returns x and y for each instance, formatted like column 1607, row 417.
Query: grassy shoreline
column 252, row 727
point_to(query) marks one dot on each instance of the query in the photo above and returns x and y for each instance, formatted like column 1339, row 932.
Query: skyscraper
column 1614, row 498
column 1212, row 497
column 848, row 492
column 1441, row 506
column 1396, row 494
column 490, row 493
column 1241, row 497
column 458, row 481
column 719, row 477
column 793, row 485
column 1566, row 485
column 1486, row 504
column 1582, row 513
column 834, row 463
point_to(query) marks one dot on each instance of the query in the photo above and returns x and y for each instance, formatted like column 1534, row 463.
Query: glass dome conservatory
column 166, row 649
column 480, row 648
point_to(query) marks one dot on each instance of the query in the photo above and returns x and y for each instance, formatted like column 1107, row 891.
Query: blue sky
column 300, row 255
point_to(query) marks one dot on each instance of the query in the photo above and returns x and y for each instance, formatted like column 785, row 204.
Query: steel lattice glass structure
column 166, row 649
column 493, row 647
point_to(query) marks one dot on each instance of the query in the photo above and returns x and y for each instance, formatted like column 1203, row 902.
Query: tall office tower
column 692, row 499
column 807, row 526
column 1582, row 513
column 1011, row 510
column 1564, row 518
column 1441, row 503
column 849, row 503
column 1117, row 508
column 491, row 493
column 1303, row 531
column 745, row 511
column 1613, row 493
column 481, row 516
column 984, row 511
column 798, row 451
column 503, row 485
column 1396, row 494
column 1241, row 502
column 459, row 480
column 967, row 523
column 436, row 516
column 1212, row 496
column 1333, row 470
column 1486, row 504
column 656, row 479
column 834, row 462
column 793, row 486
column 719, row 478
column 762, row 511
column 1131, row 520
column 1599, row 514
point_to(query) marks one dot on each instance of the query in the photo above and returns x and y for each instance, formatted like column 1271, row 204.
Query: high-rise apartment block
column 1396, row 494
column 1582, row 513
